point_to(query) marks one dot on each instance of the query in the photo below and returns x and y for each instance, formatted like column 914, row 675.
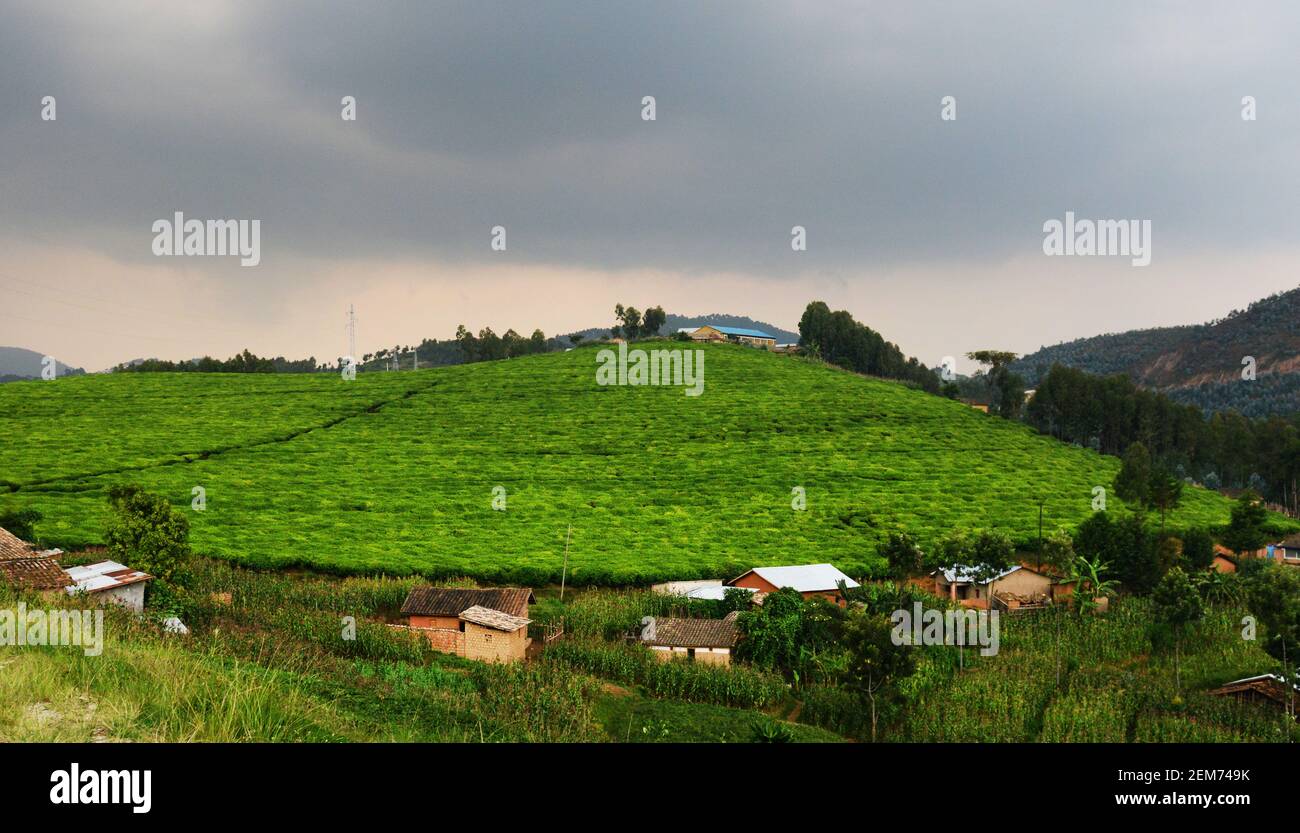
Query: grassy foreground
column 397, row 472
column 267, row 661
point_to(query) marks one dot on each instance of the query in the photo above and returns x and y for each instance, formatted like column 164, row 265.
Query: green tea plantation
column 480, row 469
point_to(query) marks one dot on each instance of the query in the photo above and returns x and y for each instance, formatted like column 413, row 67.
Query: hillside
column 396, row 472
column 1199, row 364
column 18, row 363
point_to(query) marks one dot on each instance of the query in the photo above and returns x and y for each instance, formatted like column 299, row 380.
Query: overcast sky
column 528, row 115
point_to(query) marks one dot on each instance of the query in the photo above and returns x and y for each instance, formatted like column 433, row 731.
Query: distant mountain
column 17, row 363
column 1199, row 364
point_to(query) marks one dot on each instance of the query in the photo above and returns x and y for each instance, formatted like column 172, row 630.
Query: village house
column 1287, row 550
column 740, row 335
column 27, row 568
column 108, row 581
column 1224, row 561
column 699, row 640
column 820, row 580
column 1269, row 689
column 489, row 624
column 1012, row 589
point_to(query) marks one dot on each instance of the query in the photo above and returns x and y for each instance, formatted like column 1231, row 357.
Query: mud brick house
column 489, row 624
column 25, row 567
column 1016, row 587
column 810, row 580
column 701, row 640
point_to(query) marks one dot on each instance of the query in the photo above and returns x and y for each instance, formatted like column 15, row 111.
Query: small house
column 1287, row 550
column 739, row 335
column 108, row 581
column 821, row 580
column 1013, row 588
column 487, row 624
column 1269, row 689
column 697, row 640
column 1224, row 563
column 1265, row 552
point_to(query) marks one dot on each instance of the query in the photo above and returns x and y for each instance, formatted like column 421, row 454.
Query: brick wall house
column 487, row 624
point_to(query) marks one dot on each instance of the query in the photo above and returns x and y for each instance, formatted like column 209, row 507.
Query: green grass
column 394, row 472
column 633, row 719
column 1115, row 686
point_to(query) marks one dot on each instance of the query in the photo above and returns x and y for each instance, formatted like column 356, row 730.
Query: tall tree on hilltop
column 1008, row 388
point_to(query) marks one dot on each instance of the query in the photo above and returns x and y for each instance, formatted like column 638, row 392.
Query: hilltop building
column 740, row 335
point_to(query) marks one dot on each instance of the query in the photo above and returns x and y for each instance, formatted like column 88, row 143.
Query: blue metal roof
column 737, row 331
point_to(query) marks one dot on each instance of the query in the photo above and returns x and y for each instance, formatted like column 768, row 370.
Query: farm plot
column 479, row 469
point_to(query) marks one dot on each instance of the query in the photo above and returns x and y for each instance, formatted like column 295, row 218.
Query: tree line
column 243, row 362
column 1110, row 413
column 837, row 338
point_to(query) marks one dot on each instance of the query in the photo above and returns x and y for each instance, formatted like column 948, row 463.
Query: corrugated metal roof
column 806, row 578
column 450, row 601
column 716, row 592
column 489, row 618
column 966, row 575
column 740, row 331
column 690, row 633
column 103, row 575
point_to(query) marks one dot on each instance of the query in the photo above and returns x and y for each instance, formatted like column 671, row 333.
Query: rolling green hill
column 396, row 472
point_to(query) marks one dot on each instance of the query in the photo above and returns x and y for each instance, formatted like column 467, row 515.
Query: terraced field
column 396, row 472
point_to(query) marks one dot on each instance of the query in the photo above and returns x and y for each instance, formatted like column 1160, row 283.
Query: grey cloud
column 770, row 115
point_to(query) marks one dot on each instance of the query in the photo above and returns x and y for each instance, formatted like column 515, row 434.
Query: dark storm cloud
column 527, row 115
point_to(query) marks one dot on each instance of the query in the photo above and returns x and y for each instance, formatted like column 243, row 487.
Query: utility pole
column 565, row 573
column 352, row 332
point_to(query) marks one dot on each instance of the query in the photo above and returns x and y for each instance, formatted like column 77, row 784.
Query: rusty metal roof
column 103, row 575
column 452, row 601
column 691, row 633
